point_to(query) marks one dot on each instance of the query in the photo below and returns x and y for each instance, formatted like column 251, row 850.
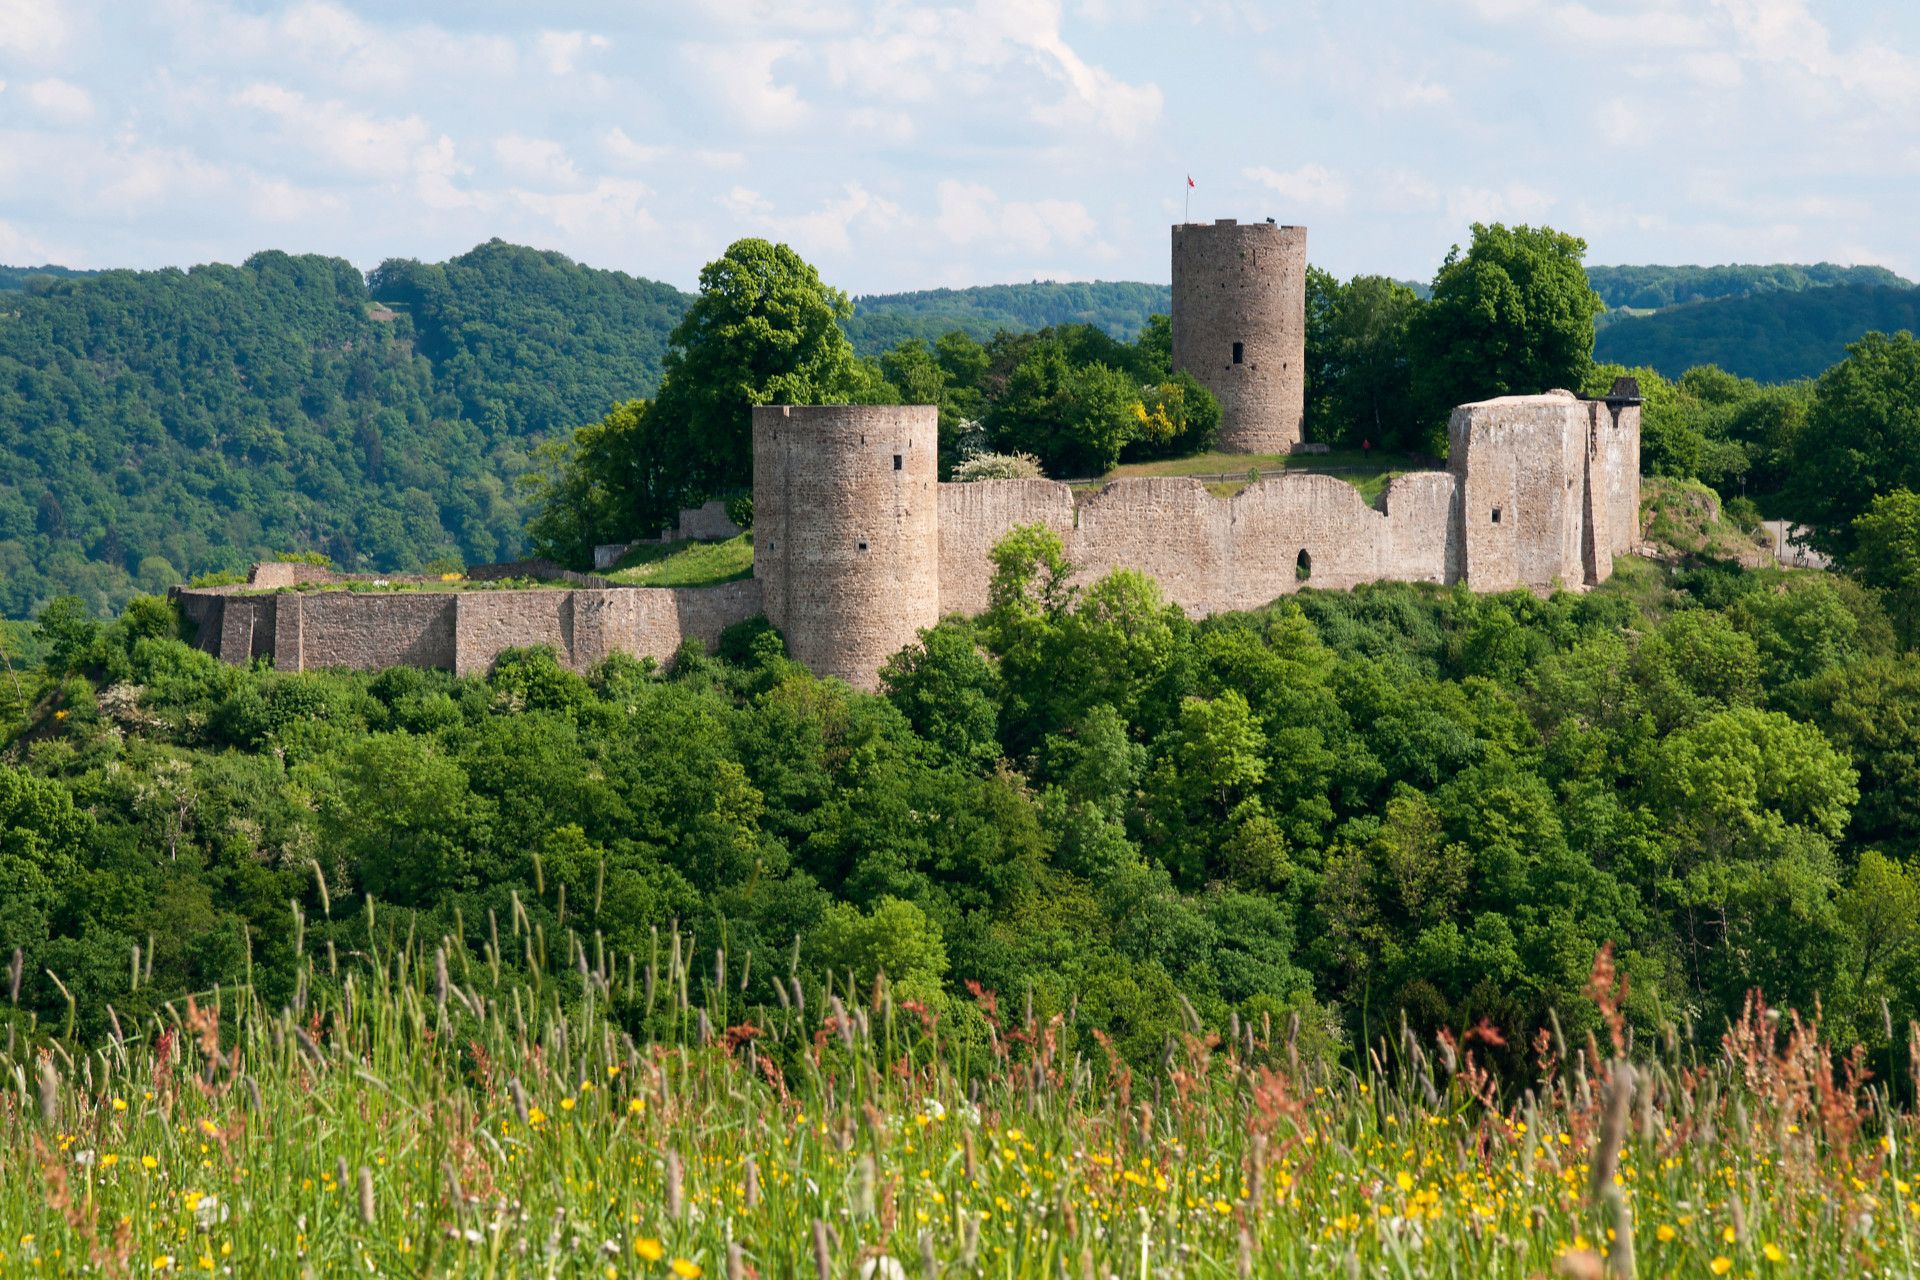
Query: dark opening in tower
column 1302, row 566
column 1239, row 353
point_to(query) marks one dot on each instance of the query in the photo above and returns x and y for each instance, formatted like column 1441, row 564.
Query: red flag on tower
column 1189, row 180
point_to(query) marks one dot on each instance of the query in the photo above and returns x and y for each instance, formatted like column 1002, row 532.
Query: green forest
column 159, row 425
column 1656, row 288
column 1768, row 336
column 1343, row 806
column 156, row 425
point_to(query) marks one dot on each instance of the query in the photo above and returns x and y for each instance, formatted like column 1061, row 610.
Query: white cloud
column 1623, row 122
column 741, row 76
column 561, row 50
column 627, row 153
column 827, row 230
column 539, row 162
column 34, row 28
column 276, row 200
column 1786, row 33
column 352, row 142
column 1513, row 202
column 323, row 42
column 1313, row 186
column 970, row 212
column 611, row 208
column 1635, row 24
column 61, row 100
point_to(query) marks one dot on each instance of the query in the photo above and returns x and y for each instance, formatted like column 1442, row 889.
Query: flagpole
column 1186, row 214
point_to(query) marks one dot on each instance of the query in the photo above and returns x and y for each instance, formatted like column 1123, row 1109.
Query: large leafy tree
column 1861, row 439
column 1369, row 366
column 1887, row 557
column 1513, row 315
column 764, row 330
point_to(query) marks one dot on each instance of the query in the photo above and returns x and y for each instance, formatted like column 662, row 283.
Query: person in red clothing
column 1366, row 448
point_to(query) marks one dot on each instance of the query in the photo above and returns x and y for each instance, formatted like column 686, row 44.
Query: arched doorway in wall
column 1302, row 566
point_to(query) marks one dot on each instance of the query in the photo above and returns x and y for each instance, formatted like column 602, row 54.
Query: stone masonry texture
column 857, row 548
column 1241, row 289
column 846, row 530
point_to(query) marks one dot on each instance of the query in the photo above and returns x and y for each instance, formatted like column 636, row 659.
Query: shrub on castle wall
column 999, row 466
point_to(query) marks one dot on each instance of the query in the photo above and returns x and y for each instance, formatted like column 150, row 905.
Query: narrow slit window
column 1496, row 515
column 1239, row 353
column 896, row 462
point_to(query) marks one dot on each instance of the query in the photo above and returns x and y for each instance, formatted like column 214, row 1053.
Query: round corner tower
column 1240, row 326
column 846, row 531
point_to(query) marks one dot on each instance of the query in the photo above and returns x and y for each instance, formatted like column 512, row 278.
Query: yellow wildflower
column 148, row 1162
column 649, row 1248
column 1773, row 1252
column 686, row 1270
column 1664, row 1233
column 1720, row 1265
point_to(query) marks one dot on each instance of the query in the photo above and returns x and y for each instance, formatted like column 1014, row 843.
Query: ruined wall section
column 974, row 516
column 846, row 531
column 1521, row 462
column 367, row 630
column 460, row 631
column 1423, row 512
column 1209, row 554
column 1246, row 285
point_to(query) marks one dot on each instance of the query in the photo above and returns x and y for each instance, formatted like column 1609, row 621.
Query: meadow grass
column 1368, row 474
column 417, row 1109
column 686, row 564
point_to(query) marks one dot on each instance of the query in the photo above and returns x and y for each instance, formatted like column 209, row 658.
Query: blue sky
column 906, row 146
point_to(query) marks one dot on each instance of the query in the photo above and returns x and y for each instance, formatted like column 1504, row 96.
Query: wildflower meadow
column 416, row 1110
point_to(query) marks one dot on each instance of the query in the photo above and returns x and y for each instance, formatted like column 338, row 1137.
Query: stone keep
column 1240, row 326
column 846, row 531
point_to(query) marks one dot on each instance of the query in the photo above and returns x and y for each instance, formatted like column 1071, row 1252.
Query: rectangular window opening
column 896, row 462
column 863, row 546
column 1239, row 353
column 1496, row 515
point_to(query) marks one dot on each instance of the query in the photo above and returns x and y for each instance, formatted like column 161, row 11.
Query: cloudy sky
column 908, row 145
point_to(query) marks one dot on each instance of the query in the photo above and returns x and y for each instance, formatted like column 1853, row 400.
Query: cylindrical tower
column 846, row 535
column 1240, row 326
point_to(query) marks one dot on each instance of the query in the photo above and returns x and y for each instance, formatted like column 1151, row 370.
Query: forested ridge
column 158, row 425
column 1344, row 805
column 1773, row 336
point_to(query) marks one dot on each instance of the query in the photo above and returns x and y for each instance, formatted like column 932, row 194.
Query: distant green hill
column 1774, row 337
column 883, row 320
column 15, row 278
column 161, row 423
column 1653, row 288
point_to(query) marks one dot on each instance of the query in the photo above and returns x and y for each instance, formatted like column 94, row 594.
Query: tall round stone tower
column 1240, row 326
column 846, row 535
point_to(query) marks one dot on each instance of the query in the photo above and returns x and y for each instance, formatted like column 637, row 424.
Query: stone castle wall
column 459, row 631
column 846, row 530
column 858, row 548
column 1245, row 284
column 1209, row 554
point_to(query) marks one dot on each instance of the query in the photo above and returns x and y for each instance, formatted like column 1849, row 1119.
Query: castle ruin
column 1240, row 327
column 857, row 546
